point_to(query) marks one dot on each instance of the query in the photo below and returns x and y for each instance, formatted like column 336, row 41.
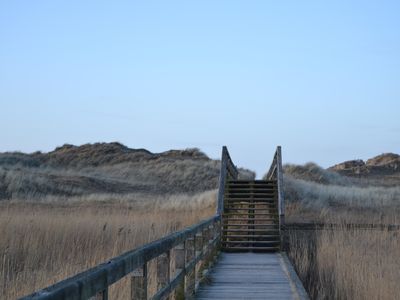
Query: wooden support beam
column 199, row 250
column 163, row 270
column 179, row 256
column 190, row 278
column 139, row 283
column 103, row 295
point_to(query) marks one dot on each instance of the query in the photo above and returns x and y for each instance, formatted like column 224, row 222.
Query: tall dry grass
column 343, row 263
column 42, row 243
column 347, row 264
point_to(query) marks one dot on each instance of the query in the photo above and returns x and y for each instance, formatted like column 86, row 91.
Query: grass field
column 348, row 264
column 42, row 243
column 48, row 238
column 354, row 264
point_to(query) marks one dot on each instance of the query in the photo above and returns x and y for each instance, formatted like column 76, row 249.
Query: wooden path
column 252, row 276
column 246, row 228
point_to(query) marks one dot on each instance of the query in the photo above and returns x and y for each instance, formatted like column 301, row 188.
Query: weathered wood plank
column 251, row 276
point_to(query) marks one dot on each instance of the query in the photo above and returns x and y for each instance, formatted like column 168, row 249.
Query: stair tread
column 251, row 188
column 249, row 230
column 253, row 180
column 250, row 242
column 248, row 214
column 252, row 236
column 267, row 207
column 251, row 225
column 251, row 248
column 251, row 200
column 249, row 219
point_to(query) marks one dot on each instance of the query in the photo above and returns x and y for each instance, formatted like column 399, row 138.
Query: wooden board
column 250, row 276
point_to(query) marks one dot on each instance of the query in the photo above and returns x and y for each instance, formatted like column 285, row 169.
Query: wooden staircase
column 250, row 218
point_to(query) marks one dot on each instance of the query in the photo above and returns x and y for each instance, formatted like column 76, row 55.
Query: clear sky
column 320, row 78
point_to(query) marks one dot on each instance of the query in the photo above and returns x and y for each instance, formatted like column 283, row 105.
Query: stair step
column 251, row 187
column 247, row 209
column 248, row 219
column 251, row 201
column 227, row 215
column 251, row 248
column 250, row 242
column 244, row 205
column 255, row 236
column 252, row 181
column 247, row 195
column 250, row 194
column 250, row 206
column 252, row 225
column 249, row 230
column 251, row 190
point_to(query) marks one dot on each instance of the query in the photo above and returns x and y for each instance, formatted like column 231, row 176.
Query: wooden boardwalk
column 252, row 276
column 250, row 217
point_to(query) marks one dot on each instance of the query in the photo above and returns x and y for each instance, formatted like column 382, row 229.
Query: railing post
column 179, row 253
column 190, row 277
column 222, row 179
column 280, row 185
column 199, row 250
column 163, row 270
column 139, row 283
column 206, row 240
column 103, row 295
column 207, row 247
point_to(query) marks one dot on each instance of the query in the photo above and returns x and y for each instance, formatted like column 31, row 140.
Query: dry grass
column 343, row 263
column 348, row 264
column 309, row 201
column 41, row 243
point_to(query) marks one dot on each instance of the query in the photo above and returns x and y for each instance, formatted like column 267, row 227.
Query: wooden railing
column 192, row 250
column 276, row 173
column 228, row 171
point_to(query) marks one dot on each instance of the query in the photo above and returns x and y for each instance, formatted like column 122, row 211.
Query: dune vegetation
column 344, row 263
column 44, row 242
column 65, row 211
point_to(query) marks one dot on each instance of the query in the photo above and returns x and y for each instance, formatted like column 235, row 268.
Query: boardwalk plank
column 249, row 276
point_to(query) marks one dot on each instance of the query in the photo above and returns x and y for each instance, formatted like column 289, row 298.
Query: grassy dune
column 42, row 243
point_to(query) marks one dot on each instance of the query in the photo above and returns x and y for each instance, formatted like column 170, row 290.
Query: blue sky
column 321, row 79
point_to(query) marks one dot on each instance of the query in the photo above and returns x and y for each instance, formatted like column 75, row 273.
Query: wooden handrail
column 275, row 172
column 194, row 248
column 228, row 171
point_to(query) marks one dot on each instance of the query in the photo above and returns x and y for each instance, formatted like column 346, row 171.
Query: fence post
column 103, row 295
column 222, row 180
column 139, row 283
column 163, row 270
column 280, row 184
column 190, row 276
column 179, row 255
column 199, row 250
column 211, row 248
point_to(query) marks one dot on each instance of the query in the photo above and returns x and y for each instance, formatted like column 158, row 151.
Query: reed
column 45, row 242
